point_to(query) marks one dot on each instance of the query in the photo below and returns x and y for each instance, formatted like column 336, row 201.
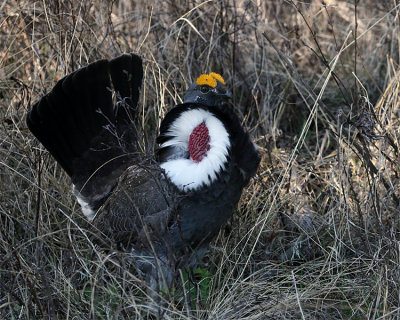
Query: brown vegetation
column 317, row 83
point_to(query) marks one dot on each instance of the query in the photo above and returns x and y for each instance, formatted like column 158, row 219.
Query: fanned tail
column 87, row 122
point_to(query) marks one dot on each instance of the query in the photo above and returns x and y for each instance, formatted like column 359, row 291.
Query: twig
column 355, row 48
column 321, row 55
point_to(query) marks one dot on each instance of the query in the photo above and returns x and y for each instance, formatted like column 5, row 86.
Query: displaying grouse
column 163, row 208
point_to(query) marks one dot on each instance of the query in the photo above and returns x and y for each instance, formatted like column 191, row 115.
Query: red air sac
column 199, row 142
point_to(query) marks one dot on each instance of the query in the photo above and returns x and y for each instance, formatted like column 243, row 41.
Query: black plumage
column 87, row 122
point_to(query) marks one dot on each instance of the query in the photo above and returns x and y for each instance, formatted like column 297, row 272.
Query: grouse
column 165, row 207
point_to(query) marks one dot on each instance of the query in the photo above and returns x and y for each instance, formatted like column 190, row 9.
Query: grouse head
column 209, row 89
column 201, row 139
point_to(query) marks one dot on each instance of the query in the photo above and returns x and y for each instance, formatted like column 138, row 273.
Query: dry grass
column 316, row 234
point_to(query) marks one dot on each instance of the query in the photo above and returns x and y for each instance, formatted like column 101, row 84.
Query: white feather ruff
column 187, row 174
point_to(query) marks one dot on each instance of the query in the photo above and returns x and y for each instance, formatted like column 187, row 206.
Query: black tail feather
column 125, row 84
column 78, row 123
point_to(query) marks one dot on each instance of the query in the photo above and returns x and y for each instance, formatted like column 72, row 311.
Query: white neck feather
column 187, row 174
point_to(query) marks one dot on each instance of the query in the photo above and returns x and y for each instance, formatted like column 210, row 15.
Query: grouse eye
column 204, row 89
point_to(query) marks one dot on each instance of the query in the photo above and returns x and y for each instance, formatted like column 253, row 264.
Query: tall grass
column 317, row 83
